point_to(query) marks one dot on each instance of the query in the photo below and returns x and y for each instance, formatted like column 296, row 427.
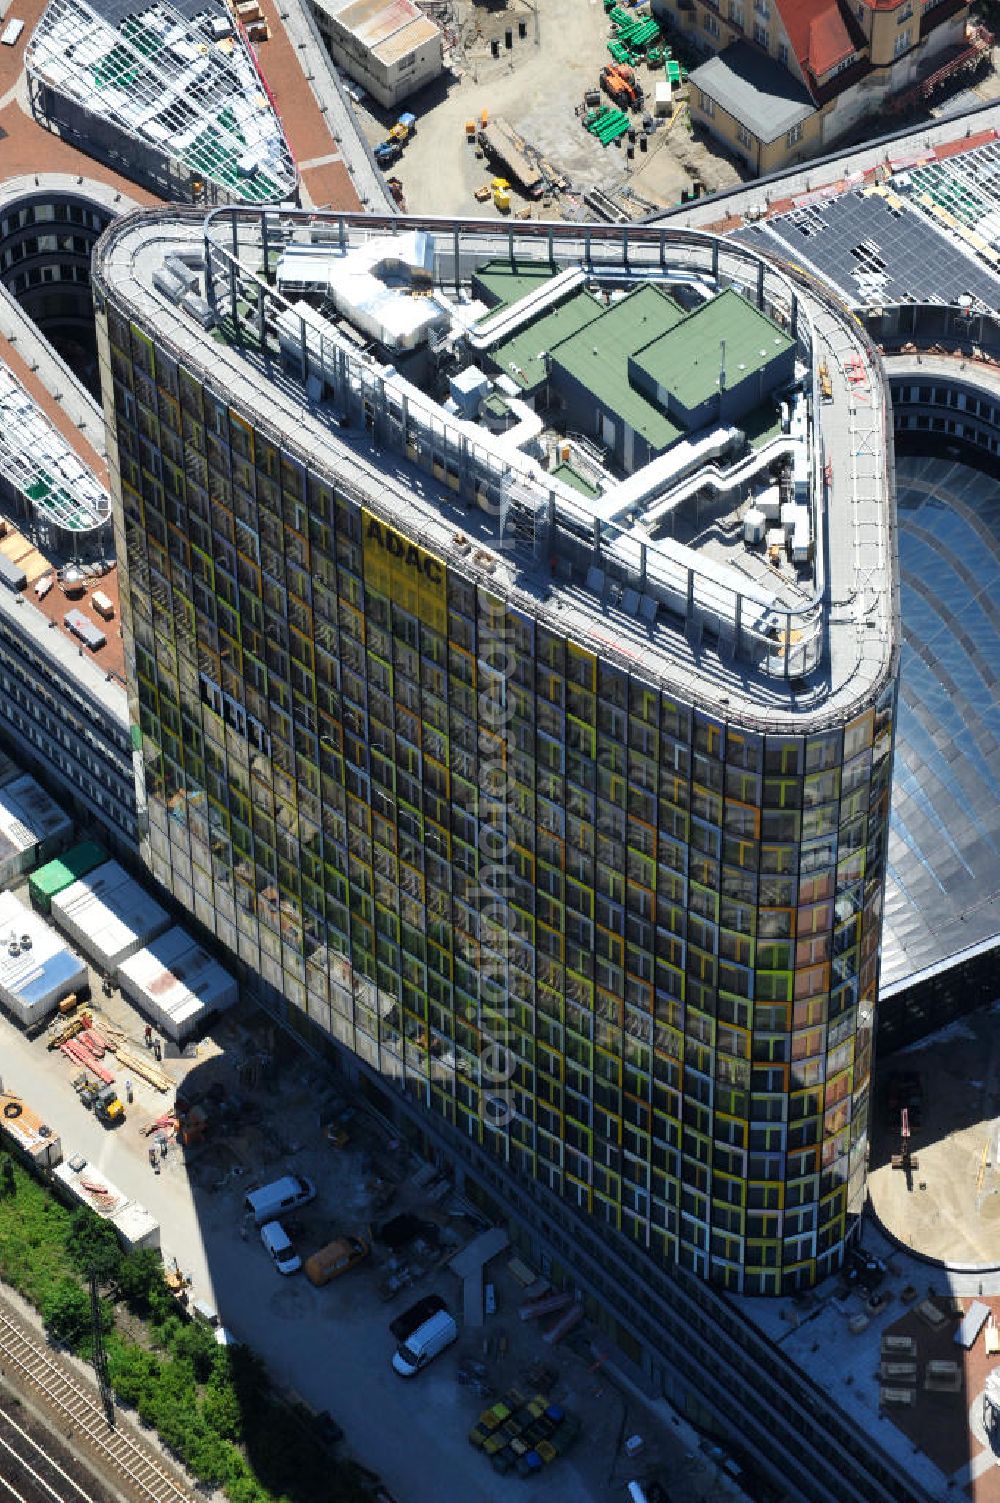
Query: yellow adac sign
column 405, row 573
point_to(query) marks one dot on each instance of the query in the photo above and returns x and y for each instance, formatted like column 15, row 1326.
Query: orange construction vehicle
column 624, row 71
column 618, row 90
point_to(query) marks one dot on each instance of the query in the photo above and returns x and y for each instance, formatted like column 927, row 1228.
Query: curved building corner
column 512, row 624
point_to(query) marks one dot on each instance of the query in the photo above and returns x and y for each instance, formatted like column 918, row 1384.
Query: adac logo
column 399, row 547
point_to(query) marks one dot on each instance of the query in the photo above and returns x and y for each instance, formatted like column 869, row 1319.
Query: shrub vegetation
column 214, row 1407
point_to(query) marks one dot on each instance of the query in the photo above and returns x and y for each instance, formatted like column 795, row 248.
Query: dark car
column 404, row 1325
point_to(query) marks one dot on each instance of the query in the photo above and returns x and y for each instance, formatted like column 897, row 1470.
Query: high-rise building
column 511, row 622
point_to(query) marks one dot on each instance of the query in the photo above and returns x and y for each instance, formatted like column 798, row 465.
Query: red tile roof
column 819, row 32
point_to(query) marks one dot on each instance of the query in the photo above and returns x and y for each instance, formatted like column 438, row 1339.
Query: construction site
column 570, row 110
column 134, row 1086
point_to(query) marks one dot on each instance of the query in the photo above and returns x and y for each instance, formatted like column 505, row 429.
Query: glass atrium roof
column 943, row 889
column 178, row 77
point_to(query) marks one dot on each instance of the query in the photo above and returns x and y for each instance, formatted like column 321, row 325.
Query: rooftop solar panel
column 878, row 252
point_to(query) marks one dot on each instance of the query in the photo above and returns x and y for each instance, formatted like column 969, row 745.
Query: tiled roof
column 820, row 34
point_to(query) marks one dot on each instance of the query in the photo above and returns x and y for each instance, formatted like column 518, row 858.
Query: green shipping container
column 55, row 876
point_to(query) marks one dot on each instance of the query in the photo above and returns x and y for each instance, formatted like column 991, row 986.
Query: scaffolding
column 57, row 487
column 181, row 79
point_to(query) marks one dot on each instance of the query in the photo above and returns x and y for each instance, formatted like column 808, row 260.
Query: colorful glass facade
column 630, row 946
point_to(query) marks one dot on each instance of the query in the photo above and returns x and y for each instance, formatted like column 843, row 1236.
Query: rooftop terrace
column 709, row 617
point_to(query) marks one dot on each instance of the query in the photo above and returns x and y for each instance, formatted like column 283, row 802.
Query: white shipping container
column 91, row 1187
column 663, row 102
column 109, row 916
column 34, row 976
column 32, row 827
column 176, row 983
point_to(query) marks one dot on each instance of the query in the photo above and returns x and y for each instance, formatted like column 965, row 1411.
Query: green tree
column 93, row 1246
column 66, row 1312
column 139, row 1279
column 221, row 1408
column 133, row 1372
column 196, row 1343
column 208, row 1457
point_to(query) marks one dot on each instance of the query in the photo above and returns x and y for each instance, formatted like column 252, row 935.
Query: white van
column 279, row 1245
column 282, row 1195
column 425, row 1343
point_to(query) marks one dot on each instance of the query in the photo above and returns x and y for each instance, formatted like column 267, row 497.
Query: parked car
column 335, row 1258
column 268, row 1202
column 279, row 1245
column 424, row 1344
column 404, row 1325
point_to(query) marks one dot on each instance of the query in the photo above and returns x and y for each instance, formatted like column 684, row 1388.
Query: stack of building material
column 135, row 1226
column 63, row 871
column 82, row 1054
column 36, row 968
column 109, row 916
column 176, row 983
column 32, row 827
column 144, row 1066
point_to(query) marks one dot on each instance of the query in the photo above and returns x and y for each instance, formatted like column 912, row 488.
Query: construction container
column 32, row 827
column 85, row 1184
column 176, row 983
column 30, row 1136
column 81, row 626
column 108, row 916
column 663, row 100
column 58, row 874
column 36, row 968
column 501, row 200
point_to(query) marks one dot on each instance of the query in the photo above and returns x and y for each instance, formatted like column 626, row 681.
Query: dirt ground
column 538, row 86
column 951, row 1207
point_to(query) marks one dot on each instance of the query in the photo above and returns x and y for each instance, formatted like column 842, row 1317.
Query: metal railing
column 780, row 641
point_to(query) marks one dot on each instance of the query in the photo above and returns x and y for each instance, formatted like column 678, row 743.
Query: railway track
column 28, row 1362
column 35, row 1467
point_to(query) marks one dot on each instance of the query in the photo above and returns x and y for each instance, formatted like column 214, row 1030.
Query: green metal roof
column 518, row 357
column 55, row 876
column 507, row 282
column 569, row 476
column 686, row 359
column 598, row 357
